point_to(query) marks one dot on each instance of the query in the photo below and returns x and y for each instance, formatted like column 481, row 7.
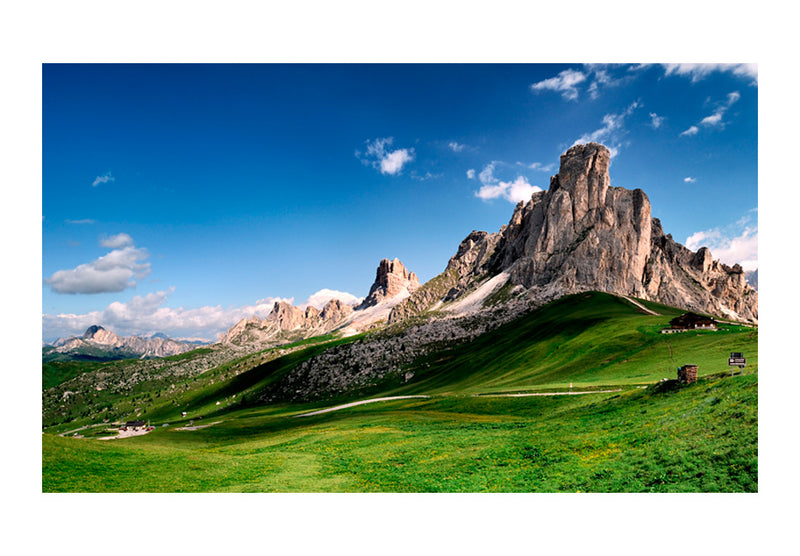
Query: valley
column 534, row 362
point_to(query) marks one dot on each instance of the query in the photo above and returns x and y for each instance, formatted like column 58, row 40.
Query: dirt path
column 640, row 306
column 353, row 404
column 390, row 398
column 195, row 427
column 545, row 394
column 125, row 434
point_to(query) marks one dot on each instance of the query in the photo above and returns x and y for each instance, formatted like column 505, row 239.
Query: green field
column 645, row 436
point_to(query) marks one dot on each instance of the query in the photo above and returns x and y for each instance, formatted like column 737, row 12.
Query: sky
column 182, row 198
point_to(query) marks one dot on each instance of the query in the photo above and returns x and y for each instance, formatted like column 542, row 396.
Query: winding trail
column 523, row 395
column 390, row 398
column 362, row 402
column 640, row 306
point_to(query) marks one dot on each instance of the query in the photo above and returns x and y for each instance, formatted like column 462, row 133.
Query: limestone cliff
column 583, row 234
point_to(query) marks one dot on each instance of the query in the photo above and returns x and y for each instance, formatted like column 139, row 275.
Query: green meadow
column 468, row 435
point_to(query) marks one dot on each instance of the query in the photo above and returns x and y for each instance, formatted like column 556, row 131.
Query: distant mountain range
column 100, row 344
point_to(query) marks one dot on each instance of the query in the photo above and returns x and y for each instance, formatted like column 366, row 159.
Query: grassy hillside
column 592, row 340
column 697, row 438
column 645, row 436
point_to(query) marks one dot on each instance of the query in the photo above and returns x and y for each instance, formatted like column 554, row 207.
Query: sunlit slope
column 590, row 340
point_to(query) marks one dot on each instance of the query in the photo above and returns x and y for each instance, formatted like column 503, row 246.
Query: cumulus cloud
column 381, row 157
column 700, row 71
column 320, row 298
column 693, row 130
column 565, row 83
column 471, row 173
column 514, row 191
column 105, row 178
column 113, row 272
column 456, row 147
column 736, row 243
column 146, row 314
column 689, row 179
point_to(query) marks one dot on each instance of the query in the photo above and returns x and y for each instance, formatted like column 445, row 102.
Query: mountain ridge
column 100, row 343
column 584, row 234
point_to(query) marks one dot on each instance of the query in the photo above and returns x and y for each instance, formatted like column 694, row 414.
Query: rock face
column 391, row 279
column 583, row 234
column 285, row 322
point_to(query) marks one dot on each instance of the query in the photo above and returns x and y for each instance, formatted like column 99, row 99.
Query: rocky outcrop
column 583, row 234
column 285, row 322
column 391, row 279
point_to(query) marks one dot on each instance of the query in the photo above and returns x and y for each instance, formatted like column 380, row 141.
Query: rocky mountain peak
column 391, row 279
column 91, row 331
column 584, row 234
column 100, row 335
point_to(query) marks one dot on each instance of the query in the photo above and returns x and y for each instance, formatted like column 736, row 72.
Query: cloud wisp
column 115, row 271
column 380, row 156
column 698, row 72
column 565, row 83
column 715, row 119
column 612, row 130
column 105, row 178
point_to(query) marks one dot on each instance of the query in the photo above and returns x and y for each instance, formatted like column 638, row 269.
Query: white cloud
column 471, row 173
column 715, row 119
column 736, row 243
column 701, row 71
column 537, row 166
column 456, row 147
column 105, row 178
column 565, row 83
column 656, row 120
column 689, row 179
column 320, row 298
column 379, row 156
column 611, row 132
column 113, row 272
column 84, row 221
column 117, row 241
column 144, row 315
column 514, row 191
column 393, row 162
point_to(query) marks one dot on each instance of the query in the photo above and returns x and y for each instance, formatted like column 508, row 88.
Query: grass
column 660, row 438
column 696, row 438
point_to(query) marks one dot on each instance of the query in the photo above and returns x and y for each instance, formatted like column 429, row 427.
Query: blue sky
column 179, row 198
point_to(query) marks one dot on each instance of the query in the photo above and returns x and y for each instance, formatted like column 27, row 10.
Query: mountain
column 752, row 278
column 285, row 322
column 98, row 343
column 392, row 279
column 583, row 234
